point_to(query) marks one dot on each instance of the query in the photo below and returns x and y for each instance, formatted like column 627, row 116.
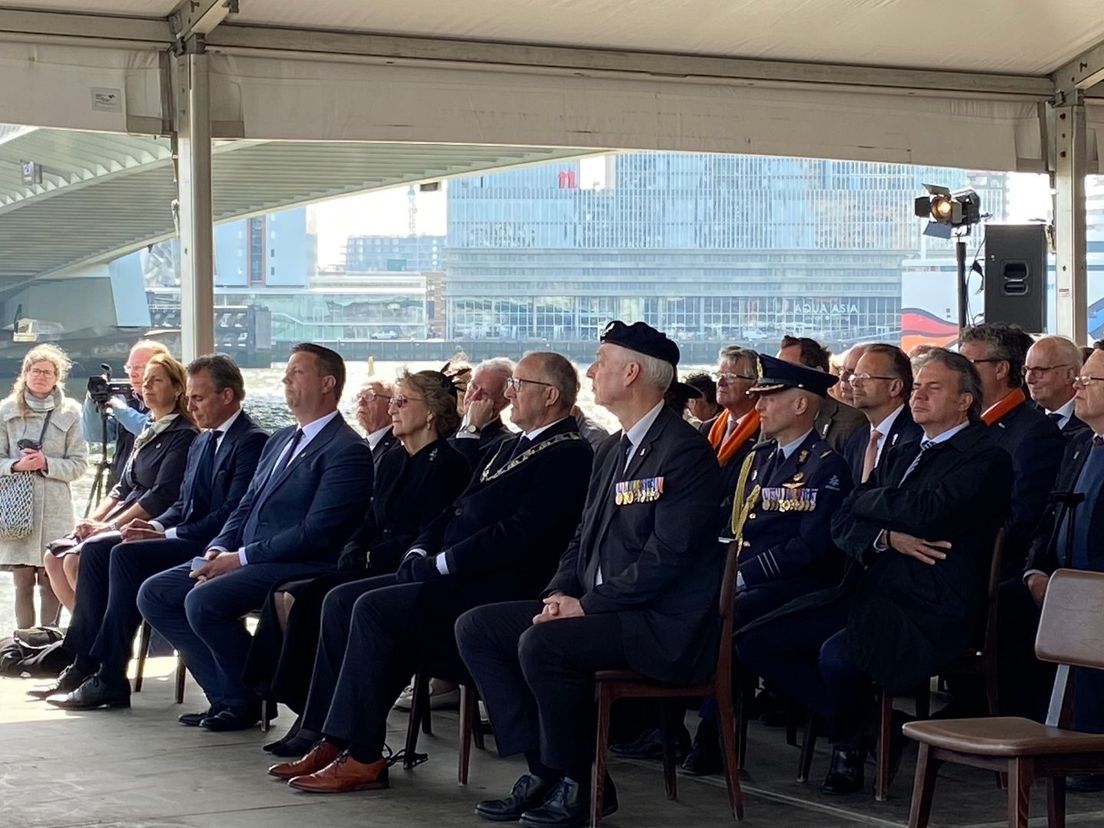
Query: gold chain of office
column 532, row 451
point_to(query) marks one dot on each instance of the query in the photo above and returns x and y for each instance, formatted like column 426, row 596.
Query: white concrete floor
column 138, row 767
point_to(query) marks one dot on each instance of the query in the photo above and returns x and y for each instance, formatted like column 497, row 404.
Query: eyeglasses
column 42, row 372
column 859, row 379
column 846, row 374
column 1028, row 370
column 1087, row 379
column 729, row 378
column 515, row 383
column 371, row 396
column 400, row 400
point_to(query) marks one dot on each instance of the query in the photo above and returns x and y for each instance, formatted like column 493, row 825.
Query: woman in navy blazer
column 151, row 480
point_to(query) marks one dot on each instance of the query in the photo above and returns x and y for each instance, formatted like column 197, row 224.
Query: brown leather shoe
column 317, row 758
column 344, row 774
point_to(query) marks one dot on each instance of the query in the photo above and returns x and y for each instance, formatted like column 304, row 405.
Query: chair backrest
column 1071, row 628
column 728, row 591
column 989, row 634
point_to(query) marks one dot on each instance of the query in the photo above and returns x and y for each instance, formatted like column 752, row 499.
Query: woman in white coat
column 38, row 413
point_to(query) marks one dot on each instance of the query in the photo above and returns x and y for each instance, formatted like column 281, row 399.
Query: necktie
column 1055, row 417
column 871, row 456
column 521, row 445
column 777, row 458
column 924, row 446
column 626, row 452
column 201, row 482
column 289, row 454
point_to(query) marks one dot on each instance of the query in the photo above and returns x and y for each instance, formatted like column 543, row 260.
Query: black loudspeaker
column 1016, row 275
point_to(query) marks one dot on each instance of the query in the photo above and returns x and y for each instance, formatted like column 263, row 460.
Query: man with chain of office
column 500, row 541
column 789, row 487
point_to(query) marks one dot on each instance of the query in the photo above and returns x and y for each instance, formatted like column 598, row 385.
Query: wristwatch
column 472, row 428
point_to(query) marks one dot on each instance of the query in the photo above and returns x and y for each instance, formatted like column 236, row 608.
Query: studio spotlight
column 949, row 213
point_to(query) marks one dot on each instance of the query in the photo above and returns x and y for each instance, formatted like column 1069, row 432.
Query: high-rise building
column 706, row 247
column 394, row 254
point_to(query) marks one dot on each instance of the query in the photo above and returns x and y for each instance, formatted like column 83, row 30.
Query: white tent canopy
column 992, row 84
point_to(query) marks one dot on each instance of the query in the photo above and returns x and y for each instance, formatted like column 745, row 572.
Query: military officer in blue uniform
column 789, row 487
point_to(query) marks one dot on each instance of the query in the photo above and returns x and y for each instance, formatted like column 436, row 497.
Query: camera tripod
column 103, row 466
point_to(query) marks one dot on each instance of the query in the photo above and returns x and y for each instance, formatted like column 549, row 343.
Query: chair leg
column 742, row 696
column 181, row 672
column 923, row 788
column 143, row 653
column 419, row 708
column 885, row 735
column 469, row 712
column 1019, row 792
column 730, row 750
column 601, row 746
column 1056, row 802
column 427, row 711
column 923, row 701
column 792, row 715
column 266, row 721
column 808, row 749
column 667, row 728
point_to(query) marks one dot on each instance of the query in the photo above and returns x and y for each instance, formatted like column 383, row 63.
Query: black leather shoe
column 649, row 745
column 290, row 746
column 233, row 718
column 193, row 719
column 845, row 776
column 568, row 806
column 528, row 792
column 704, row 757
column 92, row 694
column 67, row 681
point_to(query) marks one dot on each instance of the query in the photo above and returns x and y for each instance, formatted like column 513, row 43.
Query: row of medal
column 646, row 490
column 789, row 499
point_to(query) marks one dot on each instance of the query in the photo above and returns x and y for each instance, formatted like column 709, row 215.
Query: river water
column 265, row 403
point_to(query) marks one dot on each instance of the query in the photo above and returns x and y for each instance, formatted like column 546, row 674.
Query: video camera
column 103, row 388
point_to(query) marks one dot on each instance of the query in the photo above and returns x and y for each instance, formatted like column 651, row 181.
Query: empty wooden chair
column 1070, row 633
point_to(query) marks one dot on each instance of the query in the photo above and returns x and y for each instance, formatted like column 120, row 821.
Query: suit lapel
column 313, row 447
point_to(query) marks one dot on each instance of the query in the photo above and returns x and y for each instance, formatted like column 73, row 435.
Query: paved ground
column 138, row 767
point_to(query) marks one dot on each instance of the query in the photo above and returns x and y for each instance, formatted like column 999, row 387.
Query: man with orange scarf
column 735, row 429
column 998, row 351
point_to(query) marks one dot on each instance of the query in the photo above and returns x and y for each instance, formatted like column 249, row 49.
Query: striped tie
column 924, row 446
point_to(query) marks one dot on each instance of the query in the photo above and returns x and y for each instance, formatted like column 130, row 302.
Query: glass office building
column 710, row 248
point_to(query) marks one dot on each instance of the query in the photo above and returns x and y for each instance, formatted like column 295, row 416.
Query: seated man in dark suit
column 920, row 535
column 372, row 412
column 1035, row 444
column 636, row 588
column 220, row 466
column 793, row 484
column 312, row 488
column 1050, row 369
column 880, row 389
column 837, row 421
column 500, row 541
column 1069, row 536
column 482, row 428
column 735, row 430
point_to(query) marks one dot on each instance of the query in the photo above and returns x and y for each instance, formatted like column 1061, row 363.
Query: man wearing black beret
column 636, row 589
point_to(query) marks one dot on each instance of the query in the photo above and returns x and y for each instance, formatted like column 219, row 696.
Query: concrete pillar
column 193, row 131
column 1070, row 167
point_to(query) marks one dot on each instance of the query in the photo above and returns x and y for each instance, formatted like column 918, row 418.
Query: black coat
column 502, row 537
column 908, row 618
column 660, row 560
column 152, row 477
column 204, row 505
column 1036, row 446
column 903, row 430
column 410, row 493
column 387, row 442
column 1043, row 554
column 478, row 452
